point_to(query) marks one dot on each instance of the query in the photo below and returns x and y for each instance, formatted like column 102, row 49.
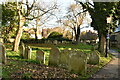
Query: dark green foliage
column 9, row 13
column 44, row 40
column 55, row 35
column 9, row 20
column 99, row 16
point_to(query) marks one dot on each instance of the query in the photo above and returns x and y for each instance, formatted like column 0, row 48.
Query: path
column 111, row 71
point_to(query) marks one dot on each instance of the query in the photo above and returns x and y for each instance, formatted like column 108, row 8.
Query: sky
column 62, row 5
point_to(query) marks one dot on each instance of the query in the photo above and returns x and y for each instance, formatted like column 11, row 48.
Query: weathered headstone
column 94, row 58
column 2, row 53
column 64, row 58
column 54, row 57
column 27, row 52
column 40, row 56
column 55, row 42
column 22, row 49
column 77, row 62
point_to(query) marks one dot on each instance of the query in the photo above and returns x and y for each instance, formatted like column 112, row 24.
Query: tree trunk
column 36, row 34
column 21, row 22
column 99, row 36
column 19, row 33
column 78, row 35
column 103, row 44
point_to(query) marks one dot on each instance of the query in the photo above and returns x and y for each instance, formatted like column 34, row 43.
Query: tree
column 26, row 11
column 99, row 13
column 9, row 19
column 74, row 19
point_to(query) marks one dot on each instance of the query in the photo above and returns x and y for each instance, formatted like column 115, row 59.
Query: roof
column 117, row 29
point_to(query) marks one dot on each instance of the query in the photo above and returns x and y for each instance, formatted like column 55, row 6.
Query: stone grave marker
column 94, row 58
column 77, row 62
column 54, row 57
column 40, row 56
column 22, row 50
column 64, row 58
column 55, row 42
column 27, row 52
column 2, row 54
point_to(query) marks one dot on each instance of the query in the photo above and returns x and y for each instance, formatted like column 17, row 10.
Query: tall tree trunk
column 99, row 36
column 103, row 44
column 78, row 35
column 21, row 22
column 19, row 32
column 36, row 34
column 37, row 30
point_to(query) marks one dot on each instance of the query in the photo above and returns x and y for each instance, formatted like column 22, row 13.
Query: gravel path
column 111, row 71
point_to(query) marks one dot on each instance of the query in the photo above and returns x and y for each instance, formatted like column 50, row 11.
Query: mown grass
column 81, row 47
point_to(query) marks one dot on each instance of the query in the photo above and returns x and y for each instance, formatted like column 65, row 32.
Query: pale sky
column 62, row 5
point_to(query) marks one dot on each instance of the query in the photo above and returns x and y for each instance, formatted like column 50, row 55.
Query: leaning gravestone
column 54, row 57
column 27, row 52
column 64, row 58
column 22, row 50
column 94, row 58
column 2, row 54
column 77, row 62
column 40, row 56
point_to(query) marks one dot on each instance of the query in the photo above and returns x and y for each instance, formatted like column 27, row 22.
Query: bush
column 55, row 35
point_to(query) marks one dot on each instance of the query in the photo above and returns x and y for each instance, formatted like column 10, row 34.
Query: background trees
column 9, row 20
column 27, row 11
column 74, row 19
column 88, row 35
column 99, row 13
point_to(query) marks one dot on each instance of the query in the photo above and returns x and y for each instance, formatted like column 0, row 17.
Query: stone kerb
column 77, row 62
column 94, row 58
column 40, row 56
column 22, row 50
column 27, row 52
column 54, row 57
column 2, row 54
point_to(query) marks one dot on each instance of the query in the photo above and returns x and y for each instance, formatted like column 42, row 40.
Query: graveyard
column 54, row 66
column 59, row 39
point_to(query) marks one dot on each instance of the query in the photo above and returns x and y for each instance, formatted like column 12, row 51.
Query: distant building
column 115, row 38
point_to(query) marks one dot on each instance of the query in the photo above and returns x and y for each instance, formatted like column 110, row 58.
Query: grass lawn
column 17, row 67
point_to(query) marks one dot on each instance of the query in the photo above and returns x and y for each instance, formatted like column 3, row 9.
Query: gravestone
column 27, row 52
column 94, row 58
column 64, row 58
column 54, row 57
column 55, row 42
column 77, row 62
column 22, row 49
column 40, row 56
column 2, row 54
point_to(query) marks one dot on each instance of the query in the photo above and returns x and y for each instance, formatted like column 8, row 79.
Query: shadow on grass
column 18, row 57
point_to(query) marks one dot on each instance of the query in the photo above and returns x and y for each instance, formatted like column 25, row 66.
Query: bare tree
column 74, row 19
column 26, row 11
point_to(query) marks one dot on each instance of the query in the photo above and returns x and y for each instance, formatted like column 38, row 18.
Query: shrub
column 55, row 35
